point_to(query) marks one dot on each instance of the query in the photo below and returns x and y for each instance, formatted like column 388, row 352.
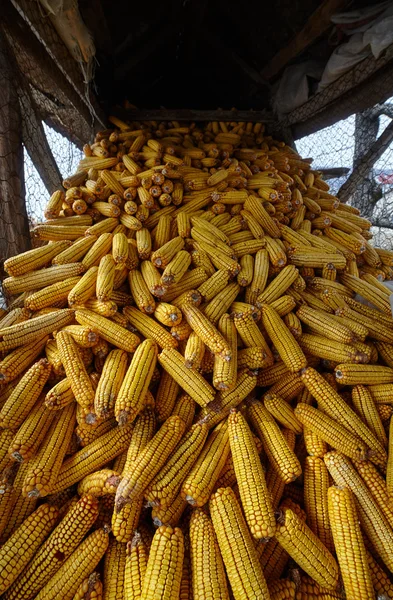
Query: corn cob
column 260, row 275
column 75, row 369
column 131, row 395
column 328, row 349
column 330, row 402
column 365, row 407
column 171, row 514
column 90, row 588
column 316, row 484
column 281, row 457
column 99, row 483
column 44, row 468
column 194, row 351
column 246, row 273
column 380, row 580
column 353, row 374
column 34, row 259
column 58, row 547
column 93, row 456
column 221, row 303
column 377, row 486
column 308, row 551
column 137, row 554
column 22, row 507
column 191, row 381
column 372, row 520
column 109, row 384
column 224, row 374
column 331, row 431
column 144, row 471
column 22, row 545
column 28, row 331
column 111, row 332
column 114, row 570
column 23, row 398
column 348, row 541
column 208, row 575
column 282, row 412
column 168, row 314
column 166, row 553
column 288, row 348
column 31, row 434
column 368, row 291
column 149, row 328
column 236, row 547
column 254, row 496
column 165, row 486
column 76, row 568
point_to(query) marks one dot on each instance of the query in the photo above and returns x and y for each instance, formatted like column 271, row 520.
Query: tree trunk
column 366, row 131
column 14, row 224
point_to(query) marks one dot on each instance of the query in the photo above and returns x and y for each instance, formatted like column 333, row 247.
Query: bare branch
column 382, row 223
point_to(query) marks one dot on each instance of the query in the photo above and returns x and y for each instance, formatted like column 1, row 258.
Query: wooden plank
column 376, row 89
column 316, row 25
column 14, row 224
column 257, row 116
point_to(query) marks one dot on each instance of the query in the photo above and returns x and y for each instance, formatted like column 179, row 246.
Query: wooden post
column 14, row 224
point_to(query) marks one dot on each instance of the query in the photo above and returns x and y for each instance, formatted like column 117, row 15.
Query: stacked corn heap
column 187, row 353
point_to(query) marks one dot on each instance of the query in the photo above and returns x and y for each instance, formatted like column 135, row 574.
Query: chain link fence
column 356, row 154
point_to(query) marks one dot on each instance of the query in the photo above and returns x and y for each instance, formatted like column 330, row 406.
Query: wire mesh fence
column 357, row 156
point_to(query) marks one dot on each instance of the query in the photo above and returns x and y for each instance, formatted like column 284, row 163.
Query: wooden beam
column 257, row 116
column 14, row 224
column 36, row 143
column 316, row 25
column 364, row 166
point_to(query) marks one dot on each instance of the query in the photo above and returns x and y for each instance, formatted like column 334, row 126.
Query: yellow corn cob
column 237, row 548
column 52, row 294
column 131, row 396
column 183, row 222
column 58, row 547
column 380, row 580
column 202, row 478
column 389, row 478
column 288, row 387
column 246, row 273
column 315, row 446
column 378, row 330
column 281, row 589
column 280, row 455
column 260, row 274
column 377, row 486
column 105, row 278
column 316, row 484
column 140, row 292
column 44, row 468
column 224, row 374
column 144, row 470
column 75, row 369
column 168, row 314
column 90, row 588
column 208, row 575
column 365, row 407
column 34, row 259
column 194, row 351
column 84, row 288
column 165, row 486
column 335, row 434
column 59, row 232
column 288, row 348
column 23, row 398
column 251, row 358
column 176, row 268
column 330, row 402
column 251, row 335
column 328, row 349
column 294, row 324
column 254, row 495
column 282, row 412
column 59, row 396
column 143, row 243
column 185, row 408
column 86, row 337
column 92, row 457
column 166, row 554
column 163, row 255
column 316, row 258
column 371, row 518
column 379, row 299
column 98, row 250
column 137, row 554
column 325, row 325
column 114, row 570
column 25, row 332
column 226, row 399
column 308, row 551
column 169, row 515
column 167, row 392
column 76, row 568
column 254, row 206
column 74, row 252
column 190, row 281
column 221, row 303
column 352, row 374
column 113, row 373
column 149, row 328
column 6, row 437
column 22, row 545
column 24, row 445
column 191, row 381
column 36, row 280
column 53, row 207
column 349, row 545
column 152, row 278
column 120, row 249
column 99, row 483
column 14, row 316
column 207, row 332
column 108, row 330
